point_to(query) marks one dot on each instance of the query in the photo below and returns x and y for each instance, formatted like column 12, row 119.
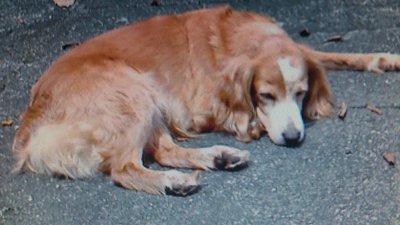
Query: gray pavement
column 338, row 176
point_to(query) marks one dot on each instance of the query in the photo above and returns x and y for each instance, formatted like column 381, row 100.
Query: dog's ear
column 235, row 94
column 235, row 91
column 319, row 100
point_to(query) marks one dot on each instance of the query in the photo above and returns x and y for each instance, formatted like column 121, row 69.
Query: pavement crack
column 364, row 106
column 5, row 80
column 3, row 84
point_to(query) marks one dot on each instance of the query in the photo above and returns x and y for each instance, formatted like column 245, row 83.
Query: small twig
column 374, row 109
column 335, row 38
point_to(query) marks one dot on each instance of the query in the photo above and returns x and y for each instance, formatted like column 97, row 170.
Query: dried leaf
column 20, row 20
column 335, row 38
column 155, row 3
column 305, row 33
column 7, row 122
column 390, row 157
column 342, row 111
column 374, row 109
column 70, row 45
column 64, row 3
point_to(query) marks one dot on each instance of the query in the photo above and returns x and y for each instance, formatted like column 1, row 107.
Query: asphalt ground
column 338, row 175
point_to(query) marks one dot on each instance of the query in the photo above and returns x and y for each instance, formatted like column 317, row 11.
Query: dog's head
column 288, row 86
column 285, row 87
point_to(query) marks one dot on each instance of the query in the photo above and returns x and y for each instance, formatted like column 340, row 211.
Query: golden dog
column 106, row 102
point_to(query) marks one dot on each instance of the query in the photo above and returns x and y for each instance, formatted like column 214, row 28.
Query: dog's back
column 99, row 105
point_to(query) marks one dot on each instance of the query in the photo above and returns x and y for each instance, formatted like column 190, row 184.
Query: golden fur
column 99, row 106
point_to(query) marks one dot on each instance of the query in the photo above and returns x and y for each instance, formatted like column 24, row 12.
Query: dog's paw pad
column 182, row 190
column 227, row 161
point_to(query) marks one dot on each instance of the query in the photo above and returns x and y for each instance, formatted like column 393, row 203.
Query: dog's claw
column 179, row 190
column 227, row 161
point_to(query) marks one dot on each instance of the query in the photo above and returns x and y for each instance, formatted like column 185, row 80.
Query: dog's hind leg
column 167, row 153
column 133, row 175
column 374, row 62
column 123, row 161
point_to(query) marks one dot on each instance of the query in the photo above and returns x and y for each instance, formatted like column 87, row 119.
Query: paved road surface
column 338, row 176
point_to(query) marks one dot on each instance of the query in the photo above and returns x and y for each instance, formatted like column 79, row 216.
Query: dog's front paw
column 231, row 158
column 255, row 129
column 382, row 62
column 182, row 184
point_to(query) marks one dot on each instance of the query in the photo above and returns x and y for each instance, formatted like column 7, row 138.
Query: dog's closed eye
column 301, row 94
column 267, row 97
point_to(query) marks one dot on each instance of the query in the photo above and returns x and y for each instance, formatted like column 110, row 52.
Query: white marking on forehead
column 289, row 72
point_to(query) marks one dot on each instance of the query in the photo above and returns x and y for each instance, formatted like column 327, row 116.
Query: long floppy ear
column 235, row 91
column 235, row 94
column 319, row 100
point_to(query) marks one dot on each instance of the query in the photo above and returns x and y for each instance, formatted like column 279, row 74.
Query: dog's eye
column 267, row 96
column 300, row 94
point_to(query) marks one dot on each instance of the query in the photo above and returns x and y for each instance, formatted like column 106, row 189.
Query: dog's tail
column 374, row 62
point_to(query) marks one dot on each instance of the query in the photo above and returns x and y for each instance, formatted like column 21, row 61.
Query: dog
column 132, row 91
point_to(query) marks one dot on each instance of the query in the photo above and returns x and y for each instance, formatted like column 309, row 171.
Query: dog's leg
column 374, row 62
column 133, row 175
column 214, row 157
column 124, row 162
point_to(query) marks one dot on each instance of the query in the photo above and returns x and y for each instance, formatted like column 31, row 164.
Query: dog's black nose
column 292, row 137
